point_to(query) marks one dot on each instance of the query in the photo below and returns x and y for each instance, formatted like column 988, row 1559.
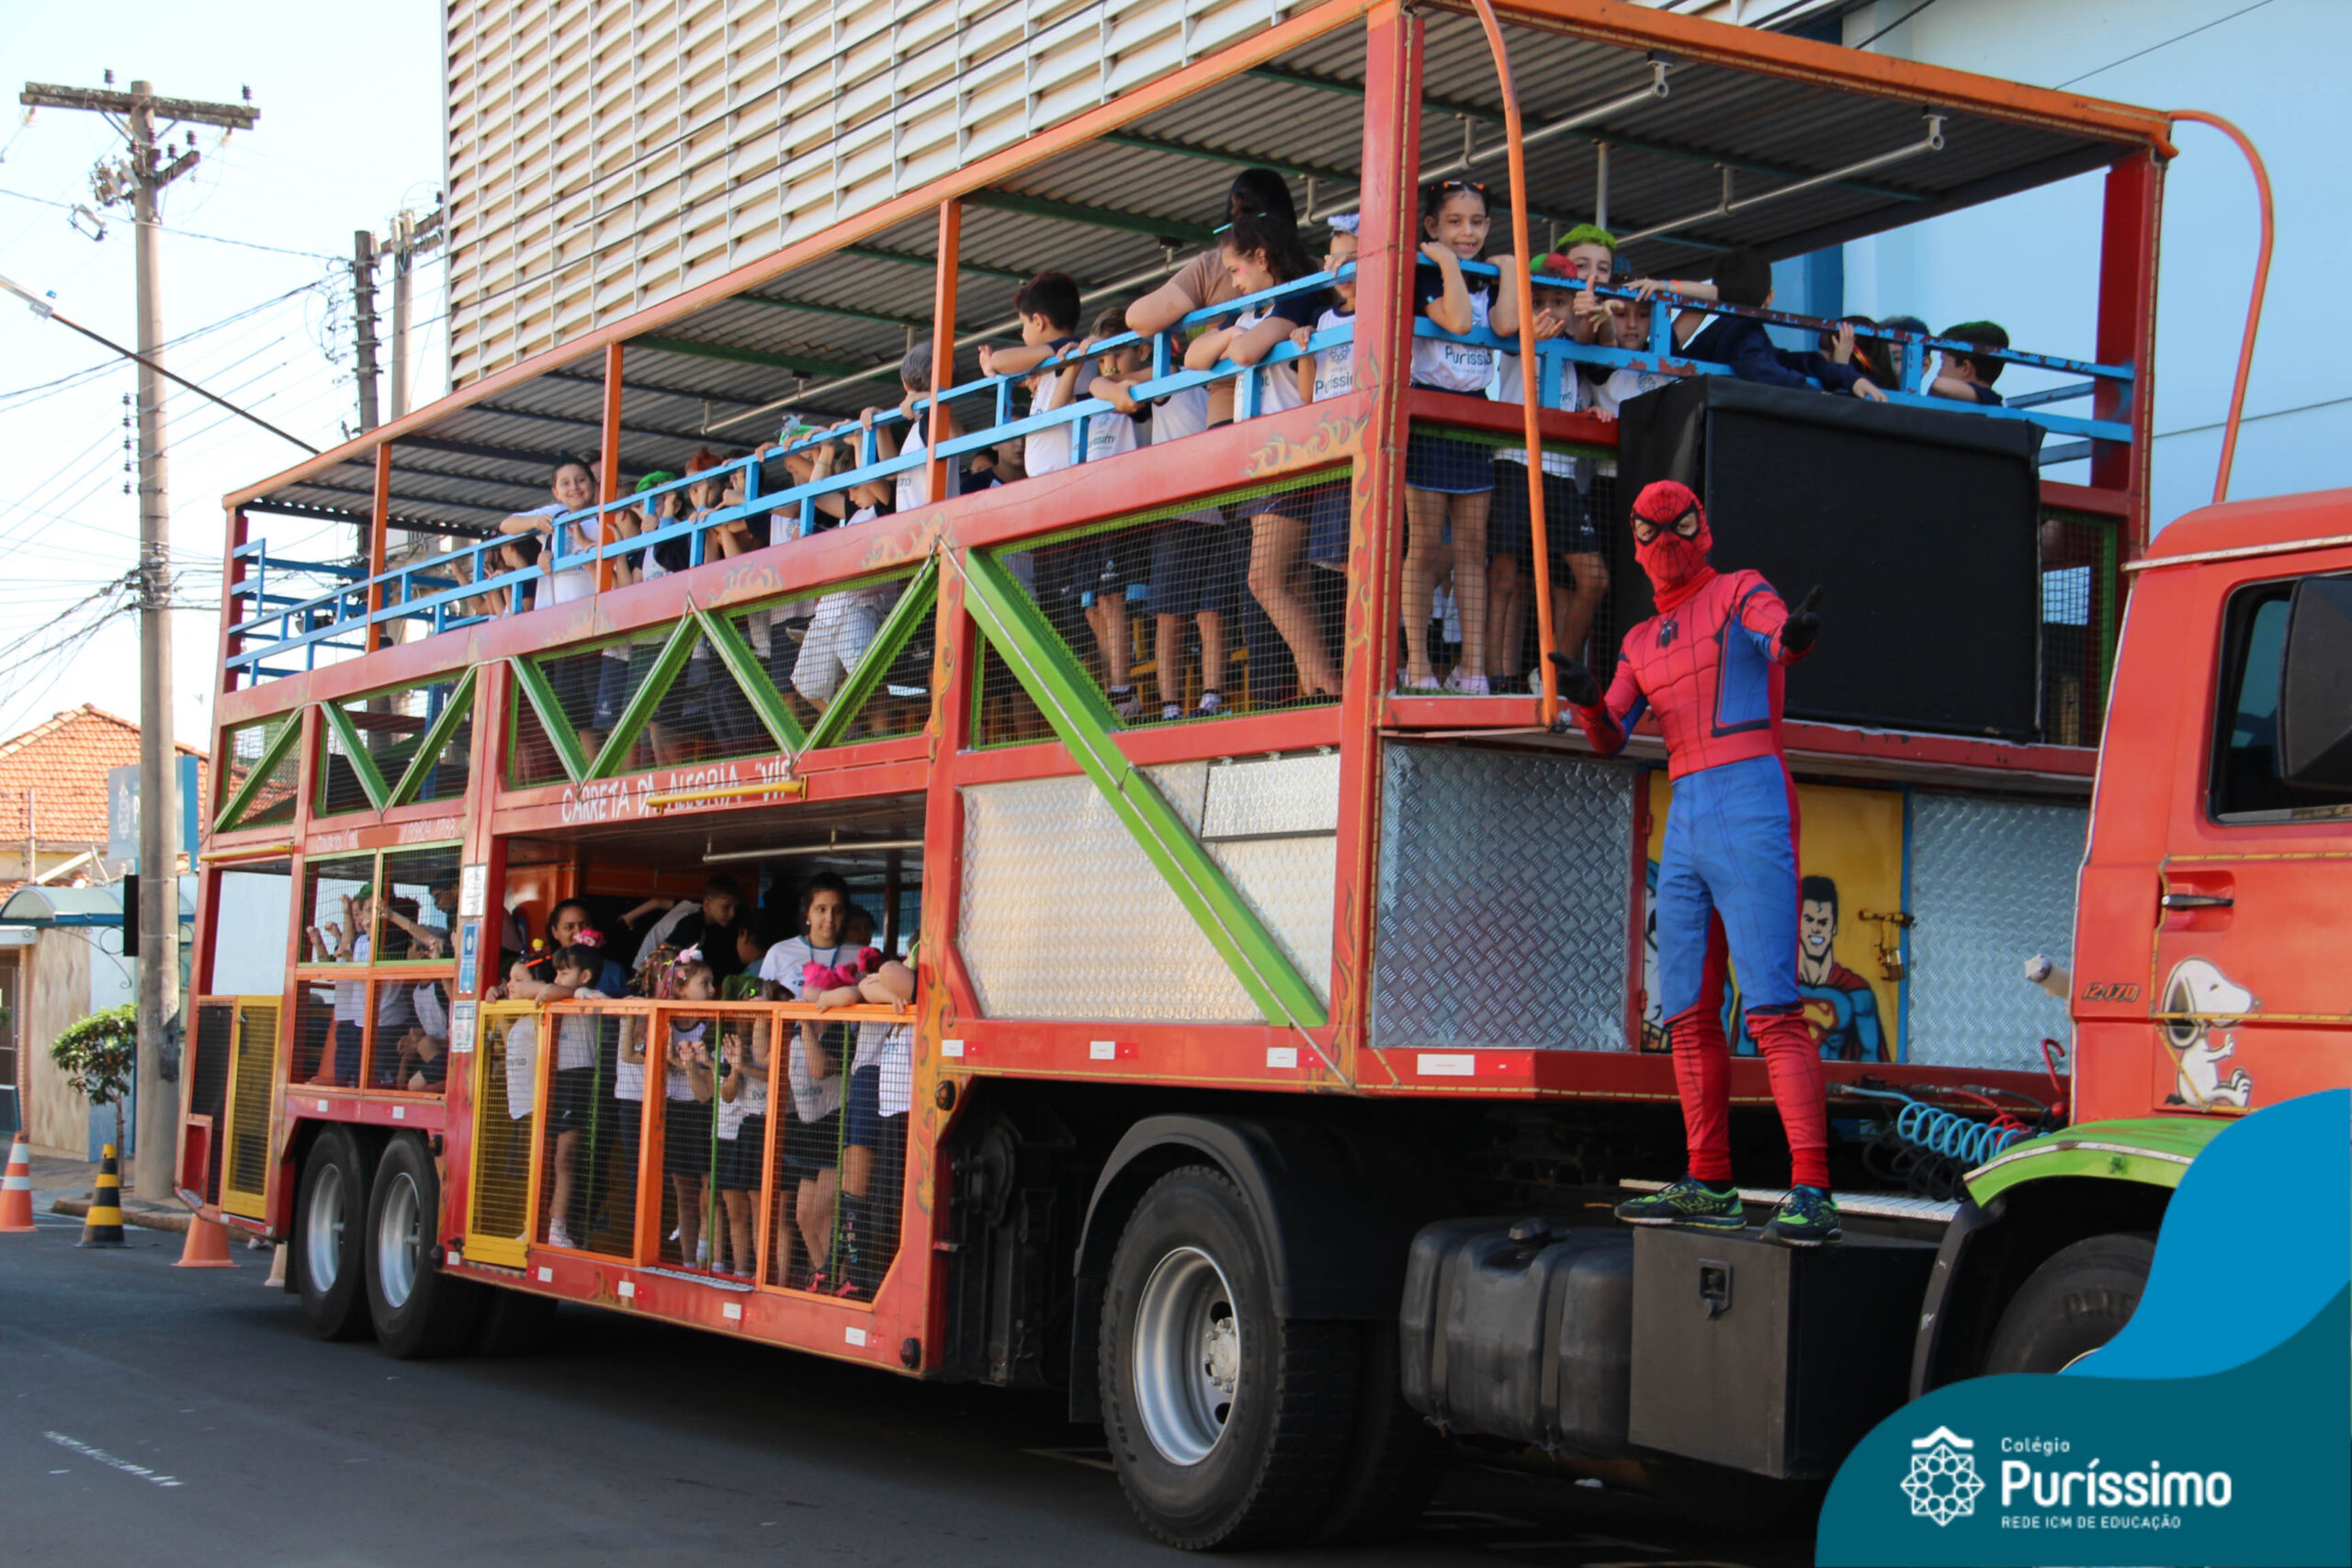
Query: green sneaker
column 1690, row 1202
column 1807, row 1217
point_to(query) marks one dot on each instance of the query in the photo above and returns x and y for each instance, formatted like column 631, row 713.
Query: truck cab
column 2209, row 978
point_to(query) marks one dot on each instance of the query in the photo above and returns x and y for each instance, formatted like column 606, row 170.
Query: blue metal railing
column 276, row 627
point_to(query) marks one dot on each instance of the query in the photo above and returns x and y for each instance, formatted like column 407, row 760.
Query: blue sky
column 350, row 132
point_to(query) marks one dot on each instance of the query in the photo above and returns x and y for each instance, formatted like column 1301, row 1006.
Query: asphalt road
column 186, row 1417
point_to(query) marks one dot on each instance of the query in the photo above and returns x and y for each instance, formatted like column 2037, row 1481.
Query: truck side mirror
column 2316, row 691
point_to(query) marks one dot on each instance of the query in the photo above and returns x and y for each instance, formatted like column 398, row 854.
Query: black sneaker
column 1690, row 1202
column 1807, row 1217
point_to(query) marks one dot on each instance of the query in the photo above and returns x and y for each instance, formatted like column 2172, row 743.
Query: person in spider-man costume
column 1710, row 665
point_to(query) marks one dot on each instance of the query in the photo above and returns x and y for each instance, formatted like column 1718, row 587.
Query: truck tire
column 1395, row 1461
column 1228, row 1426
column 2071, row 1304
column 329, row 1241
column 418, row 1311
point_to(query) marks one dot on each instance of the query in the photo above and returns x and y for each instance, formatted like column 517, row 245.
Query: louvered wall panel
column 604, row 155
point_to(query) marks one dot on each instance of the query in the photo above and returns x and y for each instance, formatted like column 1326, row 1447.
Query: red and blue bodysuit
column 1710, row 665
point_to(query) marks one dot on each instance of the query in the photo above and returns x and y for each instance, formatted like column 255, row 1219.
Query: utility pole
column 159, row 814
column 412, row 237
column 363, row 310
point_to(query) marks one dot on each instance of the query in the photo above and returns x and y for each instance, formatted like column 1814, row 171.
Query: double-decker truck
column 1281, row 1028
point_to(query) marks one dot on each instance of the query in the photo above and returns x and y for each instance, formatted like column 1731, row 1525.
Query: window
column 2245, row 784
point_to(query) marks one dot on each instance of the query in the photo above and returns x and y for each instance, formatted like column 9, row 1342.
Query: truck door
column 2252, row 984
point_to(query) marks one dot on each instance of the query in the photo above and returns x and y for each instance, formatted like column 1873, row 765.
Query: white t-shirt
column 575, row 1042
column 629, row 1077
column 572, row 581
column 1453, row 367
column 1108, row 434
column 788, row 958
column 523, row 1067
column 1047, row 450
column 1508, row 389
column 1335, row 368
column 1624, row 385
column 914, row 484
column 1277, row 384
column 432, row 1014
column 351, row 995
column 752, row 1101
column 675, row 1083
column 1180, row 414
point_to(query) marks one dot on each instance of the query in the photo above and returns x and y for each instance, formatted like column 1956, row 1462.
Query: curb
column 159, row 1220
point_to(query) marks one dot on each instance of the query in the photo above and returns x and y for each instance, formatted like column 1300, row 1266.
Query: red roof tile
column 58, row 768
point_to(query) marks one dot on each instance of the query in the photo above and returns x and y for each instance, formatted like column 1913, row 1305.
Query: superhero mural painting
column 1850, row 859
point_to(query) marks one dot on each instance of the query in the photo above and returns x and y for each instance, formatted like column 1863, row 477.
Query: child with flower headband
column 687, row 1089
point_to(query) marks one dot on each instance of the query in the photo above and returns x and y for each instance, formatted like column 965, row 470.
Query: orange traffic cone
column 207, row 1246
column 17, row 1188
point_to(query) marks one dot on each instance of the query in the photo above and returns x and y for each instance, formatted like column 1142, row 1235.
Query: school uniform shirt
column 1048, row 451
column 432, row 1010
column 1335, row 368
column 575, row 1044
column 1183, row 414
column 914, row 484
column 813, row 1098
column 572, row 581
column 1624, row 386
column 1108, row 434
column 1444, row 363
column 1744, row 344
column 523, row 1066
column 1278, row 384
column 1509, row 389
column 1982, row 395
column 888, row 1047
column 753, row 1100
column 675, row 1083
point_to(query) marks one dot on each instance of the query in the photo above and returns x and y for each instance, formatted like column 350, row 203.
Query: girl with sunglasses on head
column 1449, row 483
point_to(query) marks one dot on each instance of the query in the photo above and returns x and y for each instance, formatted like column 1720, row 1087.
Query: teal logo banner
column 2216, row 1428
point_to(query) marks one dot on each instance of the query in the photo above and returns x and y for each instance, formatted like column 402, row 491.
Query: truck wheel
column 418, row 1311
column 2071, row 1304
column 1228, row 1426
column 1395, row 1460
column 330, row 1211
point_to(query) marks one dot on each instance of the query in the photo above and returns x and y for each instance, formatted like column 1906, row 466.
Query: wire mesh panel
column 588, row 1123
column 2078, row 615
column 741, row 1073
column 811, row 647
column 244, row 1182
column 409, row 1052
column 214, row 1042
column 330, row 1030
column 1992, row 886
column 1234, row 605
column 505, row 1113
column 873, row 1158
column 1534, row 849
column 272, row 799
column 805, row 1170
column 685, row 1149
column 1467, row 616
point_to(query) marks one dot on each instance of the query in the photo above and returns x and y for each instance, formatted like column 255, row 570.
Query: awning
column 94, row 905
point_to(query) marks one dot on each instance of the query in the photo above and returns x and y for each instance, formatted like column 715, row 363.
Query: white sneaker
column 702, row 1255
column 1535, row 682
column 559, row 1234
column 1463, row 685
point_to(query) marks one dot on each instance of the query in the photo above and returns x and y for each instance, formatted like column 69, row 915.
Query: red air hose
column 1531, row 369
column 2253, row 303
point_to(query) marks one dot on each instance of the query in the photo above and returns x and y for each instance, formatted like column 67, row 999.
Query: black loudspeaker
column 1919, row 525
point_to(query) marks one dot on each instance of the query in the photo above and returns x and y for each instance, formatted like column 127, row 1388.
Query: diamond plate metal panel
column 1288, row 882
column 1064, row 918
column 1279, row 794
column 1523, row 861
column 1992, row 885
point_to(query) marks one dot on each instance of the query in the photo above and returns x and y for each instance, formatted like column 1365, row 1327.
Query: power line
column 2151, row 49
column 186, row 233
column 1898, row 21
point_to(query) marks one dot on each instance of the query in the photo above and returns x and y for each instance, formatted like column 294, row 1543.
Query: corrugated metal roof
column 1102, row 212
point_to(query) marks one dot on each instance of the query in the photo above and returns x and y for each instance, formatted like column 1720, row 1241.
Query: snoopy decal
column 2197, row 998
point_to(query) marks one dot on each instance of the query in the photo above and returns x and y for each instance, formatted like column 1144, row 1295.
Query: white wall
column 2030, row 261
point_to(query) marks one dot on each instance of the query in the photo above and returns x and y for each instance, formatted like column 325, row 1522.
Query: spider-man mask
column 1671, row 541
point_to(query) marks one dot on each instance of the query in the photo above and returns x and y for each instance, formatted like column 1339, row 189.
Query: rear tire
column 2073, row 1305
column 418, row 1311
column 1228, row 1426
column 325, row 1257
column 1395, row 1459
